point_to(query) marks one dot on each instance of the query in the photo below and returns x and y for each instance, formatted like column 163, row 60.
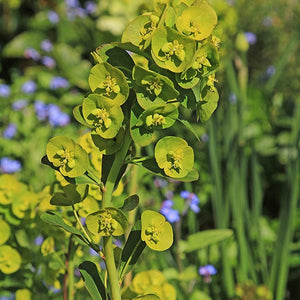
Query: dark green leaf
column 93, row 281
column 130, row 203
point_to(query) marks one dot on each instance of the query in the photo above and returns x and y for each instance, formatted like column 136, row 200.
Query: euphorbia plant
column 127, row 105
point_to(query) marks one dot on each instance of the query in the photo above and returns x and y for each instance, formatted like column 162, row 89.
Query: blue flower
column 19, row 104
column 41, row 110
column 53, row 17
column 29, row 87
column 204, row 138
column 9, row 166
column 10, row 131
column 59, row 82
column 232, row 98
column 250, row 37
column 48, row 61
column 57, row 117
column 72, row 3
column 192, row 199
column 46, row 46
column 39, row 240
column 172, row 215
column 4, row 90
column 160, row 183
column 90, row 7
column 31, row 53
column 207, row 271
column 270, row 71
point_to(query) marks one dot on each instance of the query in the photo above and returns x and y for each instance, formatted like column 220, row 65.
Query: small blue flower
column 72, row 3
column 59, row 82
column 192, row 199
column 172, row 215
column 204, row 138
column 19, row 104
column 46, row 46
column 29, row 87
column 207, row 271
column 10, row 131
column 57, row 117
column 90, row 7
column 270, row 71
column 8, row 165
column 232, row 98
column 48, row 61
column 41, row 110
column 160, row 183
column 250, row 37
column 53, row 17
column 31, row 53
column 39, row 240
column 4, row 90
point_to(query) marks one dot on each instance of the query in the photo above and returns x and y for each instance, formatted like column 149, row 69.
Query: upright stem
column 106, row 201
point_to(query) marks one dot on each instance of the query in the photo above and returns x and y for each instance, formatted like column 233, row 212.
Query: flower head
column 53, row 17
column 32, row 53
column 19, row 104
column 4, row 90
column 29, row 87
column 10, row 131
column 250, row 37
column 172, row 215
column 192, row 199
column 46, row 46
column 8, row 165
column 48, row 61
column 59, row 82
column 207, row 271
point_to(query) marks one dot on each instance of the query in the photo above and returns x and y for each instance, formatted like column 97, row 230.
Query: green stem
column 106, row 201
column 80, row 224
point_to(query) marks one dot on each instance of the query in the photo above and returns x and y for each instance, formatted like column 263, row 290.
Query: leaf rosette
column 197, row 22
column 174, row 156
column 106, row 222
column 153, row 88
column 108, row 81
column 66, row 155
column 140, row 30
column 172, row 50
column 156, row 117
column 156, row 232
column 102, row 115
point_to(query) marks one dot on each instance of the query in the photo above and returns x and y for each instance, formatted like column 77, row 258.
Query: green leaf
column 93, row 281
column 205, row 238
column 17, row 46
column 208, row 105
column 10, row 259
column 55, row 219
column 132, row 250
column 188, row 125
column 72, row 194
column 77, row 112
column 130, row 203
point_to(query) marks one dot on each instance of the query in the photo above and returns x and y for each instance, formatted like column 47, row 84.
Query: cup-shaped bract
column 172, row 50
column 153, row 88
column 106, row 222
column 156, row 117
column 10, row 259
column 156, row 232
column 205, row 62
column 140, row 30
column 102, row 115
column 174, row 156
column 197, row 22
column 106, row 80
column 65, row 154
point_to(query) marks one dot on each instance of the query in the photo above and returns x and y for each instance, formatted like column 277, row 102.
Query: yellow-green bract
column 156, row 232
column 71, row 159
column 174, row 156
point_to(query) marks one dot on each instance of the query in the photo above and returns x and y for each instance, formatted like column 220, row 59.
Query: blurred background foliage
column 248, row 156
